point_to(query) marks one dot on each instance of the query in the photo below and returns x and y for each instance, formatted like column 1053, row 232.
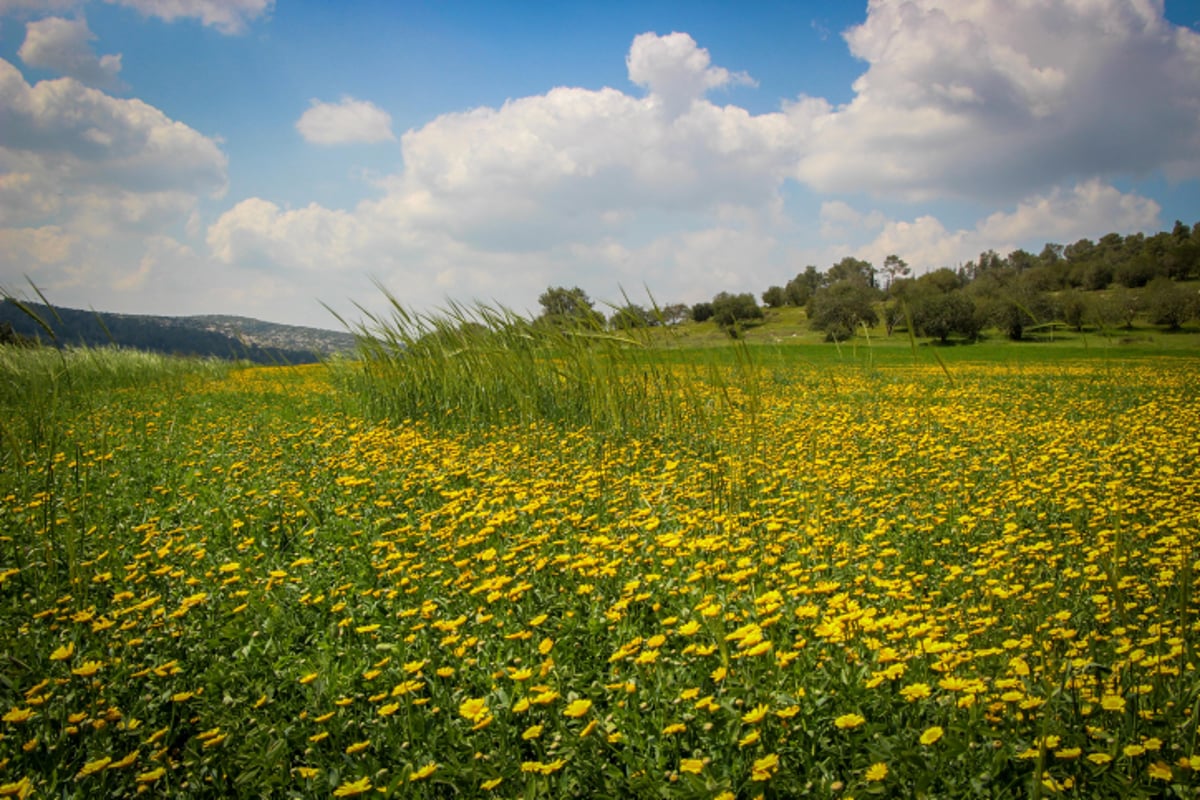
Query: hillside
column 219, row 336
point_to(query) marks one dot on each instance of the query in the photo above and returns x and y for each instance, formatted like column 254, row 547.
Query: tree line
column 1107, row 284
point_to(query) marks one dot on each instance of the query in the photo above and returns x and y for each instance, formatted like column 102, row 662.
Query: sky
column 287, row 160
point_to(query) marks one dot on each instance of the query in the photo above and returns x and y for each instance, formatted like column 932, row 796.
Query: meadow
column 477, row 563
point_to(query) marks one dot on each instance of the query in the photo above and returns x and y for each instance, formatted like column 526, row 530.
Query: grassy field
column 504, row 567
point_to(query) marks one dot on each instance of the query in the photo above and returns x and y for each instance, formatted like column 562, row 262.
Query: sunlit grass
column 869, row 580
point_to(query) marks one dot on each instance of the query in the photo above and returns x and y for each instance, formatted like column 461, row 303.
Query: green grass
column 494, row 560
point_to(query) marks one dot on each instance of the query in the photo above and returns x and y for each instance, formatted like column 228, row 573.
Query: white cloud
column 61, row 45
column 345, row 122
column 227, row 16
column 676, row 70
column 997, row 99
column 1089, row 210
column 70, row 136
column 86, row 180
column 495, row 201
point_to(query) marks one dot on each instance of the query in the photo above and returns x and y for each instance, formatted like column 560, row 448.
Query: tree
column 940, row 314
column 894, row 267
column 631, row 316
column 1120, row 307
column 1074, row 308
column 1009, row 300
column 674, row 313
column 852, row 269
column 702, row 312
column 569, row 307
column 939, row 306
column 730, row 311
column 1169, row 303
column 838, row 309
column 774, row 297
column 801, row 287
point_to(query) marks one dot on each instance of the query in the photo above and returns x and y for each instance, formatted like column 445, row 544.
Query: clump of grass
column 477, row 367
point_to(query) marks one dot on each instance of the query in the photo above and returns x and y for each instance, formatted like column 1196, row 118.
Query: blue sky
column 260, row 158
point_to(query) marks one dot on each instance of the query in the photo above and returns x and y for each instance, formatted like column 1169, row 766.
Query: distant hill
column 219, row 336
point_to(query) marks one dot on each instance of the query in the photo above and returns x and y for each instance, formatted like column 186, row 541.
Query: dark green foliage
column 801, row 287
column 631, row 316
column 731, row 311
column 774, row 297
column 569, row 308
column 1170, row 304
column 1011, row 301
column 840, row 308
column 702, row 312
column 1074, row 308
column 942, row 314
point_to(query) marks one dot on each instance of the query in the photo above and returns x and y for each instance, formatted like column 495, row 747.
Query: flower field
column 893, row 580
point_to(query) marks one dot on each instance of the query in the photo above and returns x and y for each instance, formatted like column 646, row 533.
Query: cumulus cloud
column 676, row 70
column 499, row 201
column 996, row 99
column 227, row 16
column 86, row 178
column 71, row 135
column 348, row 121
column 1088, row 210
column 61, row 45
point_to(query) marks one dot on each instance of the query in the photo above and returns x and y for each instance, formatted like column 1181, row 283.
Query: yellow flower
column 309, row 678
column 521, row 674
column 719, row 674
column 64, row 652
column 307, row 773
column 691, row 765
column 150, row 776
column 673, row 728
column 532, row 732
column 88, row 669
column 473, row 709
column 591, row 726
column 389, row 709
column 19, row 789
column 915, row 692
column 764, row 768
column 849, row 721
column 92, row 767
column 1112, row 702
column 1160, row 770
column 877, row 771
column 932, row 735
column 424, row 772
column 750, row 738
column 358, row 747
column 755, row 715
column 577, row 708
column 18, row 715
column 353, row 788
column 1099, row 758
column 488, row 785
column 545, row 645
